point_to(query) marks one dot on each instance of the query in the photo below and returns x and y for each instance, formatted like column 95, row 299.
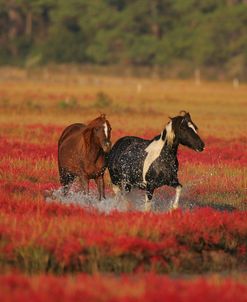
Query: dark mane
column 157, row 137
column 168, row 134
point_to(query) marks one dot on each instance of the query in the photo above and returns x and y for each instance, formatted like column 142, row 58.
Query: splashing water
column 133, row 201
column 89, row 201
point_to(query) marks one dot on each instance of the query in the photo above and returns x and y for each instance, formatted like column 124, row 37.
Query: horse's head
column 185, row 132
column 102, row 133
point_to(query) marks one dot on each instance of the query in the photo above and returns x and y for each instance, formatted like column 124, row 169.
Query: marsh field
column 81, row 249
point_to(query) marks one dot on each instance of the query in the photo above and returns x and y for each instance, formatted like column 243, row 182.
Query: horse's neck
column 91, row 148
column 159, row 147
column 169, row 146
column 171, row 149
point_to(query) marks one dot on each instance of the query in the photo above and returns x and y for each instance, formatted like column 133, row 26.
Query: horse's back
column 125, row 142
column 70, row 130
column 122, row 145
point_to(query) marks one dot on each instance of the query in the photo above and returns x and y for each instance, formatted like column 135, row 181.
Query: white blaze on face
column 106, row 130
column 192, row 127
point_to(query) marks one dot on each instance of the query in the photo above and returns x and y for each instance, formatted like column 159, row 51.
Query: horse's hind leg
column 66, row 180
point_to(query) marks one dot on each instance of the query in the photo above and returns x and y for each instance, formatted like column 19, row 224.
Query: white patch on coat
column 192, row 127
column 106, row 130
column 154, row 149
column 169, row 134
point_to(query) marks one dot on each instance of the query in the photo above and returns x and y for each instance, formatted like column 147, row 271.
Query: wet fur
column 127, row 160
column 81, row 156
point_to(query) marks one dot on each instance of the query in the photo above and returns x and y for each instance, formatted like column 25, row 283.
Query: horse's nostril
column 200, row 148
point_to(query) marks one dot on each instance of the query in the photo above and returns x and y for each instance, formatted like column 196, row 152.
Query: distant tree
column 205, row 33
column 221, row 36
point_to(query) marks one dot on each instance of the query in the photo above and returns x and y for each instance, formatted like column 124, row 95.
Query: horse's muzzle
column 107, row 147
column 201, row 147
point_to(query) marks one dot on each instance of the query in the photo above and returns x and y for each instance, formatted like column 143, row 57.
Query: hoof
column 48, row 194
column 172, row 209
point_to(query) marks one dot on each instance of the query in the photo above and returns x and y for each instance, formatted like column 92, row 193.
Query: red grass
column 146, row 287
column 51, row 238
column 218, row 151
column 71, row 236
column 72, row 239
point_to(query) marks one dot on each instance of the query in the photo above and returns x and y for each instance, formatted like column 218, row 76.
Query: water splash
column 133, row 201
column 89, row 201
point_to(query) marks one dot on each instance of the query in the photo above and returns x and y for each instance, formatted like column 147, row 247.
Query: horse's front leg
column 84, row 182
column 101, row 186
column 178, row 189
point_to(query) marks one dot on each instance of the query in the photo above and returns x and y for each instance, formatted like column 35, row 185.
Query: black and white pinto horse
column 135, row 162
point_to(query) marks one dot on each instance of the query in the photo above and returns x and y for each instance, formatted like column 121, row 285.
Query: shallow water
column 133, row 201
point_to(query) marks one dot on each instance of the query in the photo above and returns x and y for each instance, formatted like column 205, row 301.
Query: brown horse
column 82, row 153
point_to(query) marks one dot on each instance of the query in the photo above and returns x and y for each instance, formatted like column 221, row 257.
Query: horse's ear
column 185, row 115
column 103, row 115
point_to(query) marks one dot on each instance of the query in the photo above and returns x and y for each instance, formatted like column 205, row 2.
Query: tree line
column 164, row 33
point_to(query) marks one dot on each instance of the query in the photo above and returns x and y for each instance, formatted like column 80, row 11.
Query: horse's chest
column 163, row 171
column 95, row 169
